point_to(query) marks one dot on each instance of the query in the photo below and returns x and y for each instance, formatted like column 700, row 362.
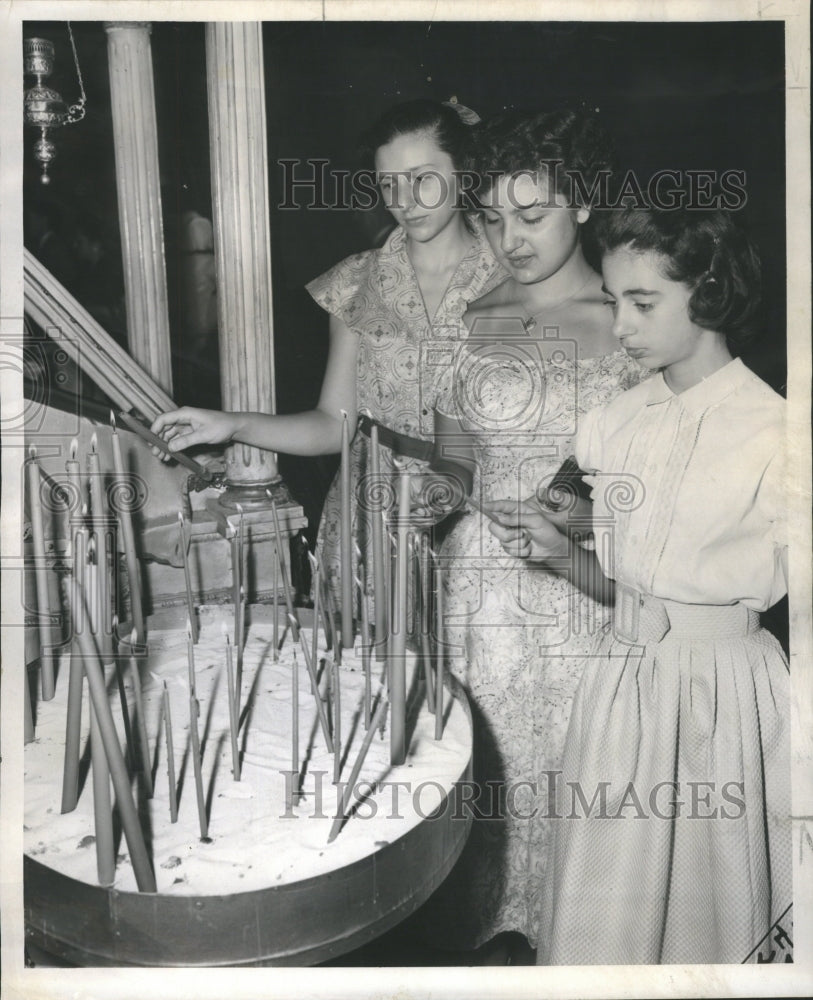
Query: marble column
column 132, row 95
column 239, row 164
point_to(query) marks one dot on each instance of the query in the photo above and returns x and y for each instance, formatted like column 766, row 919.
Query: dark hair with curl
column 703, row 249
column 574, row 143
column 441, row 121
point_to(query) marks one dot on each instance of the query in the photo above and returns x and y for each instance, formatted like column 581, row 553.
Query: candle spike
column 74, row 449
column 113, row 421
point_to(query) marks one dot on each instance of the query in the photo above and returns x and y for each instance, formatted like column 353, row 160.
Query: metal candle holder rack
column 409, row 583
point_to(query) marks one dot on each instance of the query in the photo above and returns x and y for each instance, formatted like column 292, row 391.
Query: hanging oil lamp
column 43, row 107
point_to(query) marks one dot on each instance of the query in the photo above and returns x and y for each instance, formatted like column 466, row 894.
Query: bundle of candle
column 270, row 798
column 300, row 726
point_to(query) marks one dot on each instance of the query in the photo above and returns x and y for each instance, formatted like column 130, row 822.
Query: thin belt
column 642, row 618
column 401, row 444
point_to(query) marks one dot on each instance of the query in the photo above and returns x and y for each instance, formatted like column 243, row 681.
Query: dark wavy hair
column 441, row 121
column 705, row 249
column 516, row 142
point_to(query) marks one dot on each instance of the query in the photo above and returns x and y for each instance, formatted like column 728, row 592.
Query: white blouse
column 690, row 500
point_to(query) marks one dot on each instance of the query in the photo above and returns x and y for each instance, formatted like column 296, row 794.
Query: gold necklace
column 530, row 324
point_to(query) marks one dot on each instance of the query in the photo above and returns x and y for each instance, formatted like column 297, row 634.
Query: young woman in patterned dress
column 386, row 306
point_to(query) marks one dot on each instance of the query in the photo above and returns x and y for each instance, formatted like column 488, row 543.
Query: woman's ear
column 583, row 215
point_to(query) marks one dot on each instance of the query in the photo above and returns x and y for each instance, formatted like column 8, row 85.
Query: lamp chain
column 76, row 112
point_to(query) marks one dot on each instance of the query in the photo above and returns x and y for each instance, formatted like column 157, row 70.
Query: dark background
column 678, row 96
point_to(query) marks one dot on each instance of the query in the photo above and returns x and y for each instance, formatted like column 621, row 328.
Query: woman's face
column 531, row 230
column 650, row 311
column 417, row 182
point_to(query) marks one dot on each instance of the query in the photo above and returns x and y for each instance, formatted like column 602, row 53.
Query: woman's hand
column 189, row 426
column 524, row 531
column 436, row 494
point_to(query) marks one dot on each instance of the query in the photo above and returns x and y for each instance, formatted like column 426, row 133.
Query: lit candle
column 127, row 534
column 190, row 604
column 73, row 723
column 110, row 751
column 439, row 648
column 346, row 538
column 41, row 578
column 141, row 723
column 173, row 793
column 399, row 628
column 233, row 711
column 289, row 603
column 379, row 571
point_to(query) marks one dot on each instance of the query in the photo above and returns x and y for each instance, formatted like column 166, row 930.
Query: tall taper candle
column 99, row 523
column 173, row 791
column 440, row 649
column 336, row 684
column 422, row 607
column 379, row 570
column 325, row 605
column 377, row 721
column 315, row 587
column 289, row 602
column 141, row 722
column 295, row 730
column 76, row 680
column 399, row 629
column 123, row 493
column 275, row 591
column 194, row 736
column 346, row 538
column 145, row 879
column 365, row 645
column 41, row 578
column 190, row 603
column 233, row 713
column 240, row 610
column 320, row 705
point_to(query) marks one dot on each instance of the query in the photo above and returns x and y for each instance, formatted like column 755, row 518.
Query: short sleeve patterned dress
column 679, row 735
column 376, row 294
column 516, row 635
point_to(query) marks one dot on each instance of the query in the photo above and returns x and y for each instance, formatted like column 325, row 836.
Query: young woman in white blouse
column 673, row 844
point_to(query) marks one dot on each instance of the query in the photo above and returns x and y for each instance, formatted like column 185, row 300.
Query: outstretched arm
column 312, row 432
